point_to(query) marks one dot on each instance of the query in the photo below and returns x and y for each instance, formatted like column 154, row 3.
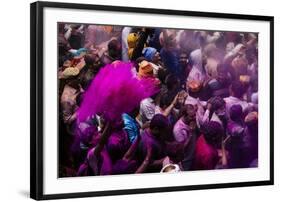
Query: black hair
column 187, row 109
column 139, row 60
column 213, row 133
column 238, row 89
column 89, row 60
column 170, row 81
column 74, row 83
column 114, row 50
column 216, row 102
column 162, row 75
column 235, row 112
column 158, row 121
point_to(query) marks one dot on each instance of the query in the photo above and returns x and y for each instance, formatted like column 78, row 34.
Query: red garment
column 206, row 156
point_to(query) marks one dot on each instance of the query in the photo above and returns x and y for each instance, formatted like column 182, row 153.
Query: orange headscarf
column 145, row 69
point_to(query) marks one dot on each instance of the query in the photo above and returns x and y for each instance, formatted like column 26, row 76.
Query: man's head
column 251, row 120
column 213, row 133
column 235, row 112
column 239, row 65
column 145, row 69
column 172, row 82
column 222, row 73
column 159, row 125
column 167, row 39
column 183, row 59
column 132, row 40
column 114, row 49
column 189, row 113
column 217, row 105
column 138, row 62
column 89, row 60
column 151, row 55
column 237, row 89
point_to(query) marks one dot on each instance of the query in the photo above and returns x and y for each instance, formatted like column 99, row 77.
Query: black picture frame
column 37, row 99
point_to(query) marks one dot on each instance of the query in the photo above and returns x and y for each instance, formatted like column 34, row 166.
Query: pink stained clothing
column 230, row 101
column 202, row 117
column 181, row 131
column 148, row 140
column 206, row 157
column 194, row 101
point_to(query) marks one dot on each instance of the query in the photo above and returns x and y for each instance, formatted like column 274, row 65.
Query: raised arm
column 168, row 110
column 131, row 151
column 104, row 137
column 146, row 161
column 224, row 157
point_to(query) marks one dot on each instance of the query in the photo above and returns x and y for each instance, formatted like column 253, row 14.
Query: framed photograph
column 131, row 100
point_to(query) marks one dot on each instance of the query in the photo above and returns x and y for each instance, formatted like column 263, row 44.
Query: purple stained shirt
column 117, row 145
column 230, row 101
column 148, row 140
column 99, row 165
column 181, row 131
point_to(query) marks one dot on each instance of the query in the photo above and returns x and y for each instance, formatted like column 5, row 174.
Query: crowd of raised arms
column 203, row 115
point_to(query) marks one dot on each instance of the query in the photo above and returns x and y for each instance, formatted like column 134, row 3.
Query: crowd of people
column 203, row 116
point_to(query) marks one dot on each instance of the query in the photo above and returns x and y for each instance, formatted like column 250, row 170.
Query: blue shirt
column 131, row 127
column 171, row 61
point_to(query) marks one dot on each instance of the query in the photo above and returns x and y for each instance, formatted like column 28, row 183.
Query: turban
column 132, row 40
column 194, row 86
column 251, row 118
column 70, row 71
column 145, row 69
column 149, row 53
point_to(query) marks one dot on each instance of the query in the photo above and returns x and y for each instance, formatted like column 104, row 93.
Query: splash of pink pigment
column 114, row 91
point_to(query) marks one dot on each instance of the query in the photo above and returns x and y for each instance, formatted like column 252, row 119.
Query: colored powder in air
column 114, row 91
